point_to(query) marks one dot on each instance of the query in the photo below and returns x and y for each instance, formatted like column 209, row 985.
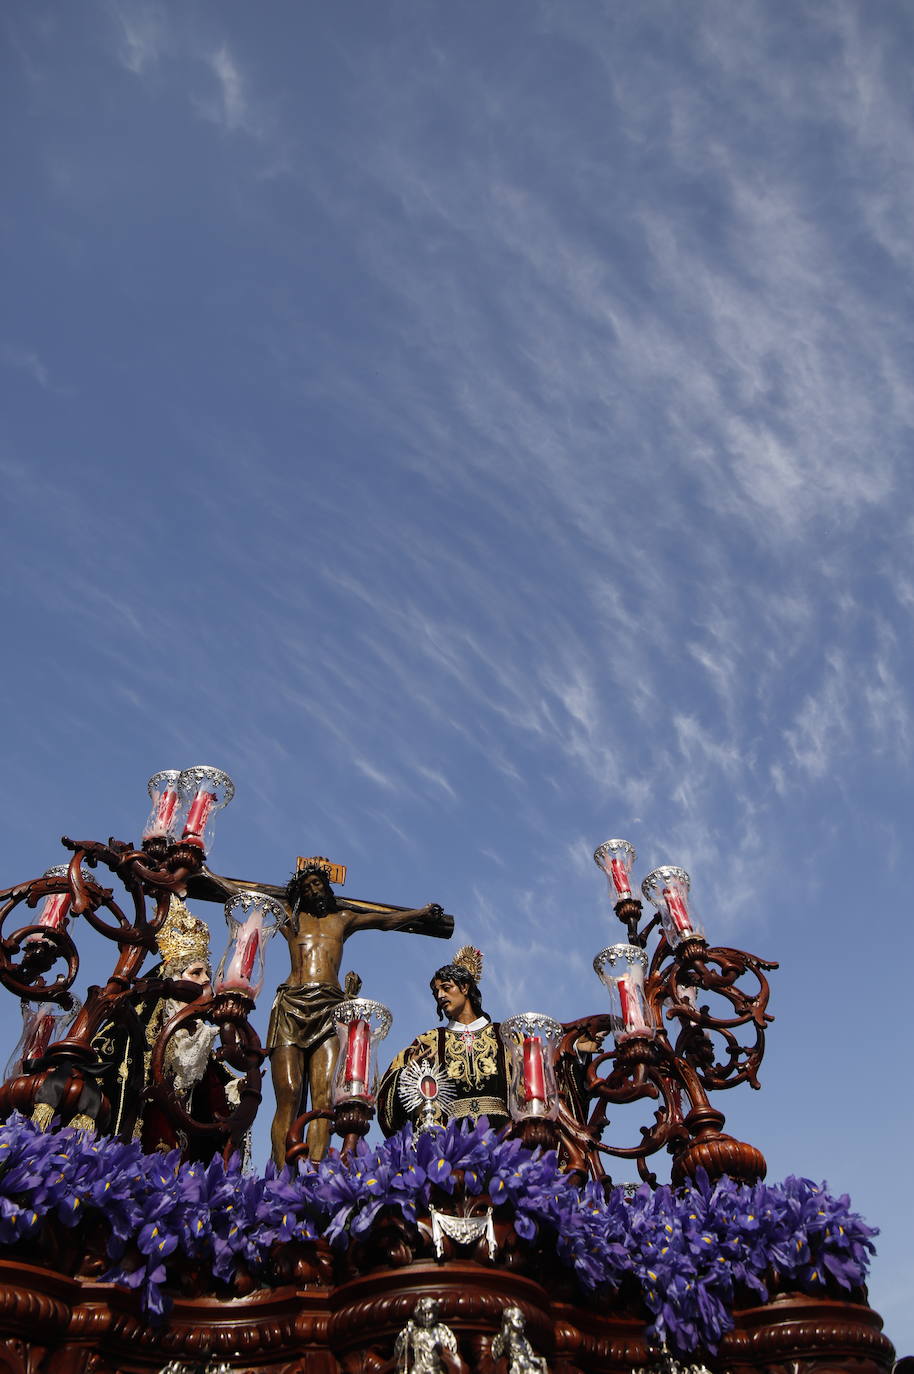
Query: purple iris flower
column 690, row 1249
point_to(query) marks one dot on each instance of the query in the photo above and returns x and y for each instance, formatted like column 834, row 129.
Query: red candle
column 679, row 915
column 198, row 813
column 248, row 955
column 165, row 811
column 40, row 1036
column 534, row 1076
column 620, row 878
column 630, row 1002
column 357, row 1046
column 54, row 912
column 244, row 956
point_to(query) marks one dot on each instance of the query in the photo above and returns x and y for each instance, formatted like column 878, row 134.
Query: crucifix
column 301, row 1041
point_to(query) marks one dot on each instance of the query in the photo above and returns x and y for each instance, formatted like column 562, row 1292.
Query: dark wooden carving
column 51, row 1324
column 68, row 1081
column 795, row 1328
column 675, row 1070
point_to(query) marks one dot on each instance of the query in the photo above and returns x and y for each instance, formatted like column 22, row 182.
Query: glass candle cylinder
column 668, row 889
column 54, row 913
column 616, row 858
column 531, row 1041
column 251, row 918
column 361, row 1025
column 165, row 794
column 621, row 970
column 42, row 1024
column 205, row 791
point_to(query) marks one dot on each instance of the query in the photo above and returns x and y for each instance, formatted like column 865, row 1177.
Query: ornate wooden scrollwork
column 239, row 1046
column 676, row 1074
column 68, row 1081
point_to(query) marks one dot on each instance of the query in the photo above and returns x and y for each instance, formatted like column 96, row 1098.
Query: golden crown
column 470, row 958
column 183, row 939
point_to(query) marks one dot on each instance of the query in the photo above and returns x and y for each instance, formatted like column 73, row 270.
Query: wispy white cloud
column 141, row 33
column 232, row 108
column 887, row 699
column 148, row 37
column 822, row 722
column 26, row 360
column 437, row 779
column 382, row 777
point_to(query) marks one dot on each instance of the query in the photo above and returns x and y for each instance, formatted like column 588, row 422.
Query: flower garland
column 690, row 1250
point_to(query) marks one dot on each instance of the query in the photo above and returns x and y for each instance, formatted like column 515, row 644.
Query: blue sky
column 482, row 430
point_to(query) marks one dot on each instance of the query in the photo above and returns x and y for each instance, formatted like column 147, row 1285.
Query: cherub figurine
column 426, row 1345
column 511, row 1345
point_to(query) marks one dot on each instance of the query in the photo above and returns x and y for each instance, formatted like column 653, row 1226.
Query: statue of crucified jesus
column 301, row 1036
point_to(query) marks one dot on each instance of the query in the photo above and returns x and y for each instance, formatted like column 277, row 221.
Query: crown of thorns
column 297, row 874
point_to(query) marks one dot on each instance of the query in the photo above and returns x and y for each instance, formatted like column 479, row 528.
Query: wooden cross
column 213, row 887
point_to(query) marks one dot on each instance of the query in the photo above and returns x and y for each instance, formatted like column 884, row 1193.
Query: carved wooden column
column 798, row 1334
column 35, row 1306
column 281, row 1329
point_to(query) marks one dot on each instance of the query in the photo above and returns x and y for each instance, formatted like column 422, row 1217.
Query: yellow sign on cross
column 335, row 872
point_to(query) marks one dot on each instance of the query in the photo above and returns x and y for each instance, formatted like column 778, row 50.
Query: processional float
column 297, row 1298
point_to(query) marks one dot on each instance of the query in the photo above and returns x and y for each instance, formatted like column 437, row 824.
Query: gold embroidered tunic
column 474, row 1061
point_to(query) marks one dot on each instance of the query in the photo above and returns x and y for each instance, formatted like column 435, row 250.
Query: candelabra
column 65, row 1078
column 676, row 1068
column 361, row 1024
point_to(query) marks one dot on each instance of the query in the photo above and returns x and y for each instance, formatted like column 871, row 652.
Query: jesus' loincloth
column 303, row 1016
